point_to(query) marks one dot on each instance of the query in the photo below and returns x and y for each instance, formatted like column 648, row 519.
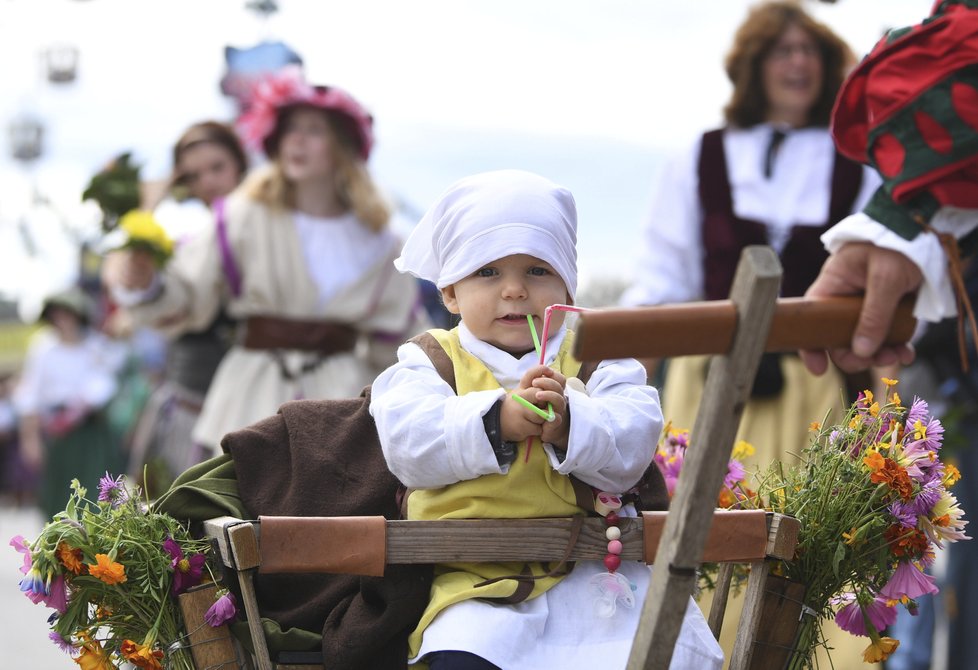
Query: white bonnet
column 487, row 216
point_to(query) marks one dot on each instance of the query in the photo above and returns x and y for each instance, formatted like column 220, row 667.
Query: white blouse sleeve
column 936, row 299
column 430, row 436
column 670, row 265
column 614, row 427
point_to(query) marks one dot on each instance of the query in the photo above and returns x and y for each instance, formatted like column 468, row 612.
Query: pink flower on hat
column 286, row 88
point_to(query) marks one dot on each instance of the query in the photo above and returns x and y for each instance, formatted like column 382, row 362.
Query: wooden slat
column 754, row 292
column 210, row 647
column 750, row 618
column 491, row 540
column 708, row 328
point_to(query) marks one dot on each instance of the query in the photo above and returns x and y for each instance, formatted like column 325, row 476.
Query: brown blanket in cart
column 314, row 458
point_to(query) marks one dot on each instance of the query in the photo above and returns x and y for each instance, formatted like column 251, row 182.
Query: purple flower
column 917, row 412
column 112, row 491
column 186, row 569
column 223, row 610
column 852, row 620
column 62, row 644
column 908, row 581
column 904, row 513
column 928, row 434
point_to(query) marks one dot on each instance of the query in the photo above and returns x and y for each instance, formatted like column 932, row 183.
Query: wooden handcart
column 737, row 332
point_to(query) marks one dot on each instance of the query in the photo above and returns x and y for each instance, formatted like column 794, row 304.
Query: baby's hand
column 540, row 386
column 550, row 391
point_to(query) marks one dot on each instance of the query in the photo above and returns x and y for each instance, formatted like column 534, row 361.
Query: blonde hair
column 354, row 186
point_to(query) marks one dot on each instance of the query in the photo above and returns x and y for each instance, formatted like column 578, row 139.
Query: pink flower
column 852, row 618
column 908, row 581
column 735, row 473
column 223, row 610
column 20, row 544
column 186, row 569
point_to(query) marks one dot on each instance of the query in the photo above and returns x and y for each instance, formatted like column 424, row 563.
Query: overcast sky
column 591, row 93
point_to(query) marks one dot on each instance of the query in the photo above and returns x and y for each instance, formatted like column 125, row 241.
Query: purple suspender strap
column 231, row 272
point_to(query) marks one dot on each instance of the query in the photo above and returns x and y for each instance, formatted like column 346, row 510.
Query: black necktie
column 777, row 136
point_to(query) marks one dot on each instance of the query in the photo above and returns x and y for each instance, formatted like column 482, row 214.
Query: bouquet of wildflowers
column 873, row 498
column 110, row 569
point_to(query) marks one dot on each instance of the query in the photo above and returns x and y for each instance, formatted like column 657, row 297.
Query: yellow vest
column 531, row 489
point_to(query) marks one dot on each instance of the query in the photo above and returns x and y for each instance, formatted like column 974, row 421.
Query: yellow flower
column 814, row 426
column 742, row 450
column 896, row 399
column 889, row 382
column 879, row 650
column 951, row 475
column 874, row 409
column 107, row 570
column 919, row 430
column 850, row 537
column 143, row 229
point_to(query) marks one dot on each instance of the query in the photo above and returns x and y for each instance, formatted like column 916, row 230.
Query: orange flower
column 92, row 656
column 141, row 655
column 726, row 499
column 107, row 570
column 874, row 461
column 906, row 541
column 814, row 426
column 70, row 557
column 893, row 475
column 880, row 649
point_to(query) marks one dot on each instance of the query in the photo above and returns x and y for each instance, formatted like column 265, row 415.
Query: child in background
column 501, row 246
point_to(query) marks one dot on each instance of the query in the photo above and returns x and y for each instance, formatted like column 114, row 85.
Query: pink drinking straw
column 546, row 325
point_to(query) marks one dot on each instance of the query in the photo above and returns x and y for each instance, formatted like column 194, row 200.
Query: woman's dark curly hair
column 754, row 40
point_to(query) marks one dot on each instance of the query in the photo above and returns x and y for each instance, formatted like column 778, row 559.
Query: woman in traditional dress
column 301, row 257
column 209, row 162
column 770, row 175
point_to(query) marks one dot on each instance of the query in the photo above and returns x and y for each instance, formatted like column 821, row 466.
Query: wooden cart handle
column 687, row 329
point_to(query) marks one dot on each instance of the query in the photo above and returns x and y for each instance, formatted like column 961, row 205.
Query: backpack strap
column 439, row 357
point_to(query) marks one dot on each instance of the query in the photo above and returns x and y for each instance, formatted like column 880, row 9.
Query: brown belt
column 271, row 332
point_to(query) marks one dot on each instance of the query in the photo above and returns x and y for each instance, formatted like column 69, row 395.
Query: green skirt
column 86, row 454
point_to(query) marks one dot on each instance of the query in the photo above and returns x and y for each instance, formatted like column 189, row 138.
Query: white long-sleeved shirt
column 798, row 193
column 432, row 437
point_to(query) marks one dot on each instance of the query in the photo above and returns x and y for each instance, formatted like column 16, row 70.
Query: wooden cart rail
column 364, row 545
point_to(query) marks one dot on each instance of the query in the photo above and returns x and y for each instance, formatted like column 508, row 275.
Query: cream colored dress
column 279, row 279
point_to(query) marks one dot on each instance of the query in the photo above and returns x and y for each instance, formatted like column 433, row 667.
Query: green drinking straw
column 533, row 332
column 549, row 414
